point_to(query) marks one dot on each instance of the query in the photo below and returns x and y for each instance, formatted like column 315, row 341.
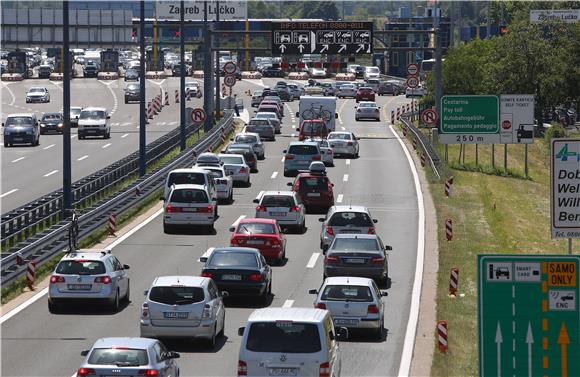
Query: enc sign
column 565, row 188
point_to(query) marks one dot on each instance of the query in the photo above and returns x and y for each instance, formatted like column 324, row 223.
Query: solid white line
column 73, row 136
column 274, row 175
column 124, row 136
column 312, row 261
column 37, row 296
column 5, row 86
column 125, row 124
column 8, row 193
column 345, row 178
column 51, row 173
column 50, row 146
column 339, row 198
column 82, row 158
column 348, row 161
column 18, row 159
column 288, row 303
column 409, row 344
column 115, row 100
column 106, row 145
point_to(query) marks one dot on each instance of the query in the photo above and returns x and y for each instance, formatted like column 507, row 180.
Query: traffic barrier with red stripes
column 345, row 77
column 449, row 229
column 442, row 336
column 12, row 77
column 414, row 143
column 19, row 259
column 166, row 98
column 449, row 187
column 405, row 131
column 188, row 94
column 453, row 281
column 423, row 159
column 150, row 110
column 392, row 116
column 408, row 107
column 176, row 95
column 223, row 136
column 112, row 224
column 398, row 113
column 30, row 274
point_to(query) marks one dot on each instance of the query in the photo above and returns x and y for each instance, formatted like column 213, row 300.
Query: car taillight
column 236, row 241
column 149, row 372
column 373, row 309
column 371, row 231
column 349, row 142
column 329, row 187
column 274, row 243
column 320, row 305
column 329, row 151
column 172, row 209
column 145, row 310
column 56, row 279
column 207, row 275
column 243, row 171
column 103, row 280
column 316, row 158
column 378, row 260
column 330, row 259
column 242, row 368
column 295, row 209
column 255, row 277
column 206, row 311
column 261, row 208
column 358, row 110
column 329, row 230
column 324, row 370
column 82, row 372
column 289, row 156
column 208, row 209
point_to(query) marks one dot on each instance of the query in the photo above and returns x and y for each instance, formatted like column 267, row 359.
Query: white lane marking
column 73, row 136
column 340, row 112
column 283, row 158
column 125, row 124
column 115, row 100
column 40, row 294
column 293, row 135
column 312, row 261
column 348, row 161
column 50, row 146
column 83, row 157
column 408, row 345
column 274, row 175
column 124, row 136
column 339, row 198
column 342, row 128
column 8, row 193
column 18, row 159
column 5, row 86
column 106, row 145
column 345, row 178
column 235, row 223
column 288, row 303
column 51, row 173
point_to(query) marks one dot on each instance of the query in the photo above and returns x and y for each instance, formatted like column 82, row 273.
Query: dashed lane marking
column 288, row 303
column 83, row 157
column 106, row 145
column 8, row 193
column 345, row 178
column 347, row 161
column 51, row 173
column 50, row 146
column 339, row 198
column 124, row 136
column 19, row 159
column 312, row 261
column 274, row 175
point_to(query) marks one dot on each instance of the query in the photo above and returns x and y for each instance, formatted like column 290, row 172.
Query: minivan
column 290, row 342
column 21, row 129
column 191, row 176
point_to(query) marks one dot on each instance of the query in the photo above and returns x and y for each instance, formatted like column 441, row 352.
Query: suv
column 44, row 71
column 188, row 206
column 299, row 156
column 191, row 176
column 21, row 129
column 314, row 189
column 386, row 87
column 94, row 121
column 176, row 70
column 282, row 206
column 89, row 275
column 132, row 92
column 312, row 128
column 345, row 219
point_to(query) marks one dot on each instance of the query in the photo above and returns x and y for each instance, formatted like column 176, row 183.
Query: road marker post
column 414, row 143
column 19, row 259
column 453, row 282
column 449, row 187
column 442, row 336
column 30, row 274
column 398, row 113
column 176, row 95
column 449, row 229
column 188, row 94
column 392, row 116
column 423, row 159
column 166, row 98
column 112, row 224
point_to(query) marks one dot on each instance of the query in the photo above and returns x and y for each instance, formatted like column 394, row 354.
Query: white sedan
column 223, row 182
column 343, row 143
column 415, row 92
column 236, row 166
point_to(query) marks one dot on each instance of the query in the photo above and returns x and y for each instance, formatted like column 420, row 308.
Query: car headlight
column 42, row 125
column 60, row 125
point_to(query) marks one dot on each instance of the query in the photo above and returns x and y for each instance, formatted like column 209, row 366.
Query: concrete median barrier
column 198, row 74
column 298, row 76
column 108, row 76
column 345, row 77
column 12, row 77
column 56, row 77
column 251, row 75
column 154, row 75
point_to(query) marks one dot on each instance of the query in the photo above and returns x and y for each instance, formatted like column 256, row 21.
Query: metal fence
column 422, row 142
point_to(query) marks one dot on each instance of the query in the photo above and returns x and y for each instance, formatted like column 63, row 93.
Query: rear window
column 336, row 136
column 186, row 178
column 216, row 173
column 278, row 201
column 359, row 219
column 188, row 196
column 231, row 160
column 119, row 357
column 80, row 267
column 312, row 127
column 258, row 122
column 256, row 228
column 176, row 295
column 303, row 149
column 358, row 293
column 246, row 139
column 283, row 337
column 319, row 183
column 355, row 244
column 268, row 109
column 232, row 258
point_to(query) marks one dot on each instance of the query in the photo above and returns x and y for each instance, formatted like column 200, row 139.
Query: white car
column 194, row 88
column 318, row 72
column 282, row 206
column 353, row 302
column 94, row 121
column 415, row 92
column 367, row 110
column 37, row 94
column 273, row 119
column 343, row 143
column 372, row 73
column 236, row 166
column 325, row 151
column 188, row 206
column 223, row 182
column 346, row 90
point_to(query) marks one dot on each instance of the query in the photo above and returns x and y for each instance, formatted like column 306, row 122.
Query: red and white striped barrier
column 223, row 136
column 155, row 75
column 423, row 159
column 108, row 76
column 442, row 336
column 56, row 77
column 298, row 76
column 251, row 75
column 19, row 259
column 30, row 274
column 12, row 77
column 414, row 143
column 150, row 110
column 345, row 77
column 404, row 130
column 188, row 94
column 408, row 107
column 398, row 113
column 449, row 229
column 157, row 102
column 198, row 74
column 392, row 116
column 166, row 98
column 453, row 281
column 449, row 187
column 112, row 224
column 176, row 96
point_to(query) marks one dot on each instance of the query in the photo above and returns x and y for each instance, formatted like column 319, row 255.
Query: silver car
column 256, row 98
column 252, row 139
column 344, row 143
column 223, row 182
column 273, row 118
column 236, row 166
column 88, row 275
column 37, row 94
column 367, row 110
column 353, row 302
column 295, row 91
column 346, row 90
column 183, row 307
column 325, row 151
column 345, row 219
column 282, row 206
column 129, row 357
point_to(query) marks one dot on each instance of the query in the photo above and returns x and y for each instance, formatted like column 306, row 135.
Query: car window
column 358, row 219
column 232, row 258
column 302, row 149
column 318, row 183
column 283, row 336
column 92, row 114
column 177, row 295
column 358, row 293
column 52, row 117
column 277, row 201
column 367, row 105
column 186, row 178
column 216, row 173
column 212, row 292
column 338, row 136
column 258, row 122
column 117, row 266
column 256, row 228
column 312, row 127
column 188, row 196
column 246, row 139
column 80, row 267
column 118, row 356
column 158, row 352
column 231, row 160
column 352, row 244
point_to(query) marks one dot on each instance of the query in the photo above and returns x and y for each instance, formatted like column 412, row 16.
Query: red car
column 262, row 234
column 365, row 94
column 315, row 190
column 312, row 128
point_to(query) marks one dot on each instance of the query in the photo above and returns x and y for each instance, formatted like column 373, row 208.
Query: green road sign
column 469, row 119
column 528, row 315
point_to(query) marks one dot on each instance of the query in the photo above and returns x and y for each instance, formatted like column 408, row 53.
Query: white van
column 318, row 107
column 290, row 342
column 372, row 72
column 190, row 176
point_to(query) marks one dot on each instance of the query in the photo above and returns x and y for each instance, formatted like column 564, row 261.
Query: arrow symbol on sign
column 282, row 48
column 563, row 341
column 312, row 42
column 369, row 49
column 360, row 47
column 324, row 48
column 498, row 342
column 301, row 48
column 342, row 48
column 529, row 342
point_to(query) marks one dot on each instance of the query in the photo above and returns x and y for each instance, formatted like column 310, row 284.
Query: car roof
column 21, row 115
column 283, row 193
column 130, row 342
column 188, row 170
column 185, row 280
column 187, row 186
column 37, row 87
column 247, row 134
column 371, row 102
column 288, row 314
column 357, row 236
column 52, row 113
column 230, row 155
column 237, row 249
column 257, row 220
column 341, row 132
column 350, row 209
column 348, row 280
column 95, row 109
column 90, row 254
column 302, row 143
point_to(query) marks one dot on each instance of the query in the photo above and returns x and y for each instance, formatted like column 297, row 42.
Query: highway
column 39, row 343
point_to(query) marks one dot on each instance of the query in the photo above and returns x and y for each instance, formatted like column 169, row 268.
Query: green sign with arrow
column 528, row 315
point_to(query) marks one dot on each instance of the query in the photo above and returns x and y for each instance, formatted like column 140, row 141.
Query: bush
column 557, row 130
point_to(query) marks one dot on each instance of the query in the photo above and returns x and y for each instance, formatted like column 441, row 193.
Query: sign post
column 528, row 315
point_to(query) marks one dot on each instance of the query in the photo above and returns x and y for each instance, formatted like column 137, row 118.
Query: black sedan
column 51, row 122
column 273, row 72
column 241, row 271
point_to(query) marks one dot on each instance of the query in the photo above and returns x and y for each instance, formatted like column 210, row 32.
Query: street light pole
column 182, row 144
column 66, row 145
column 142, row 115
column 217, row 63
column 207, row 87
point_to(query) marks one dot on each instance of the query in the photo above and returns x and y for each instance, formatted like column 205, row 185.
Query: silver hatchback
column 283, row 206
column 345, row 219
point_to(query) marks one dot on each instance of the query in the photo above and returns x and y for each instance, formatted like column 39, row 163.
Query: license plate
column 349, row 231
column 313, row 194
column 175, row 315
column 355, row 260
column 255, row 242
column 187, row 209
column 231, row 277
column 277, row 213
column 79, row 287
column 303, row 162
column 346, row 322
column 18, row 139
column 283, row 371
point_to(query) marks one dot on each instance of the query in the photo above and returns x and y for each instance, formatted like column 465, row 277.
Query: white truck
column 318, row 107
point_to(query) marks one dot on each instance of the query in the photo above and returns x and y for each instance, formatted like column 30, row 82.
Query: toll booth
column 110, row 61
column 154, row 66
column 18, row 63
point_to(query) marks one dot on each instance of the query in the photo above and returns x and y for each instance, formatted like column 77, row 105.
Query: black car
column 284, row 93
column 273, row 72
column 51, row 122
column 132, row 93
column 359, row 72
column 391, row 88
column 176, row 70
column 131, row 75
column 240, row 271
column 90, row 70
column 247, row 151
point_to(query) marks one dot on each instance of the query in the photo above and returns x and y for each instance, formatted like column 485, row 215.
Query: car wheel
column 115, row 305
column 378, row 333
column 231, row 197
column 264, row 298
column 222, row 331
column 126, row 102
column 248, row 183
column 6, row 144
column 211, row 341
column 355, row 119
column 282, row 258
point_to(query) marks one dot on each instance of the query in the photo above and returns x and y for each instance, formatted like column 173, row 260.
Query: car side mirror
column 84, row 352
column 173, row 355
column 289, row 184
column 342, row 334
column 285, row 151
column 224, row 294
column 335, row 115
column 332, row 184
column 297, row 114
column 2, row 124
column 256, row 201
column 232, row 228
column 388, row 248
column 126, row 267
column 313, row 291
column 202, row 259
column 77, row 117
column 108, row 117
column 379, row 107
column 375, row 221
column 241, row 331
column 145, row 293
column 297, row 128
column 321, row 219
column 384, row 293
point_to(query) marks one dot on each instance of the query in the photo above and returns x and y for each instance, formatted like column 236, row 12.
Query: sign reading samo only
column 565, row 190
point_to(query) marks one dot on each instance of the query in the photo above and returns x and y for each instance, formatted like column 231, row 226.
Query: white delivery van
column 290, row 342
column 318, row 107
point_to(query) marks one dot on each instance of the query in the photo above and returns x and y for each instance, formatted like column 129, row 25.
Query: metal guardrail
column 423, row 142
column 54, row 240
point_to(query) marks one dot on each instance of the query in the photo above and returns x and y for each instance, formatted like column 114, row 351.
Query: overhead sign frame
column 564, row 189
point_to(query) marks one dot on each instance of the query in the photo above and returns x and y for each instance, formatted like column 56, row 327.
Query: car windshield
column 51, row 117
column 133, row 87
column 357, row 219
column 269, row 108
column 186, row 178
column 358, row 293
column 92, row 114
column 18, row 121
column 232, row 258
column 246, row 139
column 232, row 159
column 37, row 90
column 303, row 149
column 75, row 112
column 336, row 136
column 258, row 93
column 283, row 337
column 347, row 86
column 355, row 244
column 373, row 70
column 278, row 201
column 80, row 267
column 188, row 196
column 118, row 356
column 256, row 228
column 176, row 295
